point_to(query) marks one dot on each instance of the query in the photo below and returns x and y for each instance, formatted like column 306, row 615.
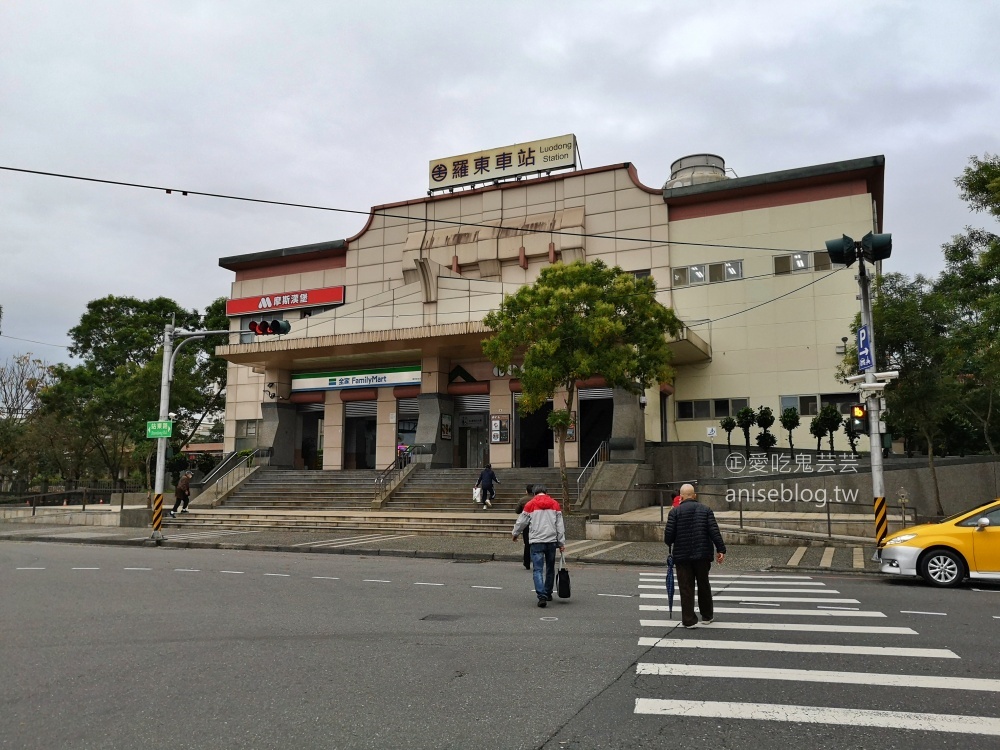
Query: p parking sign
column 159, row 429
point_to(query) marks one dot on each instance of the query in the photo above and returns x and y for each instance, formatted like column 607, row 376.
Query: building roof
column 282, row 255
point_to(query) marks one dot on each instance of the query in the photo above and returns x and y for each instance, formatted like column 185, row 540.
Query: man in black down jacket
column 694, row 536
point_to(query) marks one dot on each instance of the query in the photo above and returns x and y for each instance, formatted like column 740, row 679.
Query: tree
column 980, row 184
column 728, row 424
column 746, row 418
column 575, row 322
column 831, row 418
column 852, row 436
column 789, row 422
column 22, row 379
column 818, row 430
column 764, row 419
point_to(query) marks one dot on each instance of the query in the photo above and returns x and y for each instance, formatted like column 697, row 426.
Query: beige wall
column 786, row 347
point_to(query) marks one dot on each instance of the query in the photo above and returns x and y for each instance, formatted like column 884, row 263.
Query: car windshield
column 966, row 512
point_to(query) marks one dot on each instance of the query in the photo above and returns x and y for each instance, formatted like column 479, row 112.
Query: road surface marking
column 575, row 547
column 793, row 626
column 29, row 568
column 369, row 540
column 799, row 599
column 812, row 675
column 84, row 568
column 186, row 570
column 137, row 568
column 279, row 575
column 375, row 580
column 796, row 557
column 327, row 578
column 822, row 607
column 919, row 722
column 418, row 583
column 620, row 596
column 196, row 535
column 495, row 588
column 742, row 577
column 827, row 560
column 913, row 612
column 743, row 582
column 608, row 549
column 727, row 589
column 781, row 612
column 800, row 648
column 334, row 541
column 235, row 572
column 859, row 557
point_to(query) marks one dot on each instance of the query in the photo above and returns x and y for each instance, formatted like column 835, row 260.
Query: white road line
column 234, row 572
column 327, row 578
column 374, row 538
column 822, row 607
column 136, row 568
column 619, row 596
column 913, row 612
column 608, row 549
column 827, row 560
column 419, row 583
column 988, row 591
column 494, row 588
column 194, row 535
column 821, row 715
column 84, row 568
column 575, row 547
column 333, row 541
column 375, row 580
column 796, row 557
column 765, row 604
column 742, row 577
column 743, row 582
column 186, row 570
column 800, row 648
column 29, row 568
column 812, row 675
column 781, row 612
column 761, row 591
column 859, row 557
column 798, row 599
column 791, row 626
column 279, row 575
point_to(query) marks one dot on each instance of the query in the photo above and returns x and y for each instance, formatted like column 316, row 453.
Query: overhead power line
column 448, row 222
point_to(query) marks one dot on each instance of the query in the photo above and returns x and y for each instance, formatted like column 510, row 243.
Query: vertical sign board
column 864, row 349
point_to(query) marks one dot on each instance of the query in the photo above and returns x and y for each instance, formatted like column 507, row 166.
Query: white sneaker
column 489, row 504
column 184, row 510
column 709, row 621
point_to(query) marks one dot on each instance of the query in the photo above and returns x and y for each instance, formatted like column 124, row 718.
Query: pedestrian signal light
column 859, row 418
column 270, row 327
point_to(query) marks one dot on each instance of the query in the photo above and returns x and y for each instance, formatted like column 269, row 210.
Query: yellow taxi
column 945, row 553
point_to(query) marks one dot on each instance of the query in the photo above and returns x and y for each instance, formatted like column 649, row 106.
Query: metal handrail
column 224, row 484
column 390, row 473
column 601, row 454
column 221, row 468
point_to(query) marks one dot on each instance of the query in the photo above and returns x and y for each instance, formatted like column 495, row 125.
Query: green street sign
column 159, row 429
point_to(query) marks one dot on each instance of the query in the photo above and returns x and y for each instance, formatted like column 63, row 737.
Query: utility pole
column 871, row 247
column 166, row 378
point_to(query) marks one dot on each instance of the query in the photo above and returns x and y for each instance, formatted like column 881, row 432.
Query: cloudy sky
column 343, row 104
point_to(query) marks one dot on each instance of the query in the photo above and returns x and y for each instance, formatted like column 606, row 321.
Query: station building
column 384, row 347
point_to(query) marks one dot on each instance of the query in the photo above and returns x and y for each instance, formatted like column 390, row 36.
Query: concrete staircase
column 282, row 489
column 434, row 502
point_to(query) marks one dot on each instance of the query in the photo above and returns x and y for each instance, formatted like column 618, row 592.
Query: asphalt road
column 111, row 647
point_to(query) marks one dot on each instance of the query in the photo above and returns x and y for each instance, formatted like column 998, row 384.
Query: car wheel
column 943, row 568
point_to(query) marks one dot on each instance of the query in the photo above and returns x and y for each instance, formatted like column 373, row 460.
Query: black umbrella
column 670, row 581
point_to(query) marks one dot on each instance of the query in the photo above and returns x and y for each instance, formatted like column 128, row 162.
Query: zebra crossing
column 873, row 657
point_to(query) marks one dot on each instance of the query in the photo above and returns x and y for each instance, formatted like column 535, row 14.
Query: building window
column 710, row 408
column 246, row 433
column 799, row 262
column 807, row 406
column 641, row 274
column 713, row 273
column 821, row 262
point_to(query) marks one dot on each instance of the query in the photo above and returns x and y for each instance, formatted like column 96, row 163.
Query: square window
column 702, row 410
column 697, row 275
column 680, row 277
column 821, row 262
column 800, row 261
column 740, row 403
column 789, row 402
column 782, row 264
column 734, row 269
column 685, row 410
column 716, row 272
column 641, row 274
column 721, row 407
column 808, row 406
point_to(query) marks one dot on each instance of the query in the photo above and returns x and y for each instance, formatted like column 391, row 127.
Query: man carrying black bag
column 547, row 534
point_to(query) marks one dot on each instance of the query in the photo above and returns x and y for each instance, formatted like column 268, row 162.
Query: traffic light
column 270, row 327
column 859, row 419
column 841, row 251
column 876, row 246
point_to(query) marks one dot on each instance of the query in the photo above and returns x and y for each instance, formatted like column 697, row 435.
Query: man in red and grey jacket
column 547, row 534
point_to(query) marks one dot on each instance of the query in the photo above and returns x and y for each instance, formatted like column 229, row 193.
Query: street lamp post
column 166, row 378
